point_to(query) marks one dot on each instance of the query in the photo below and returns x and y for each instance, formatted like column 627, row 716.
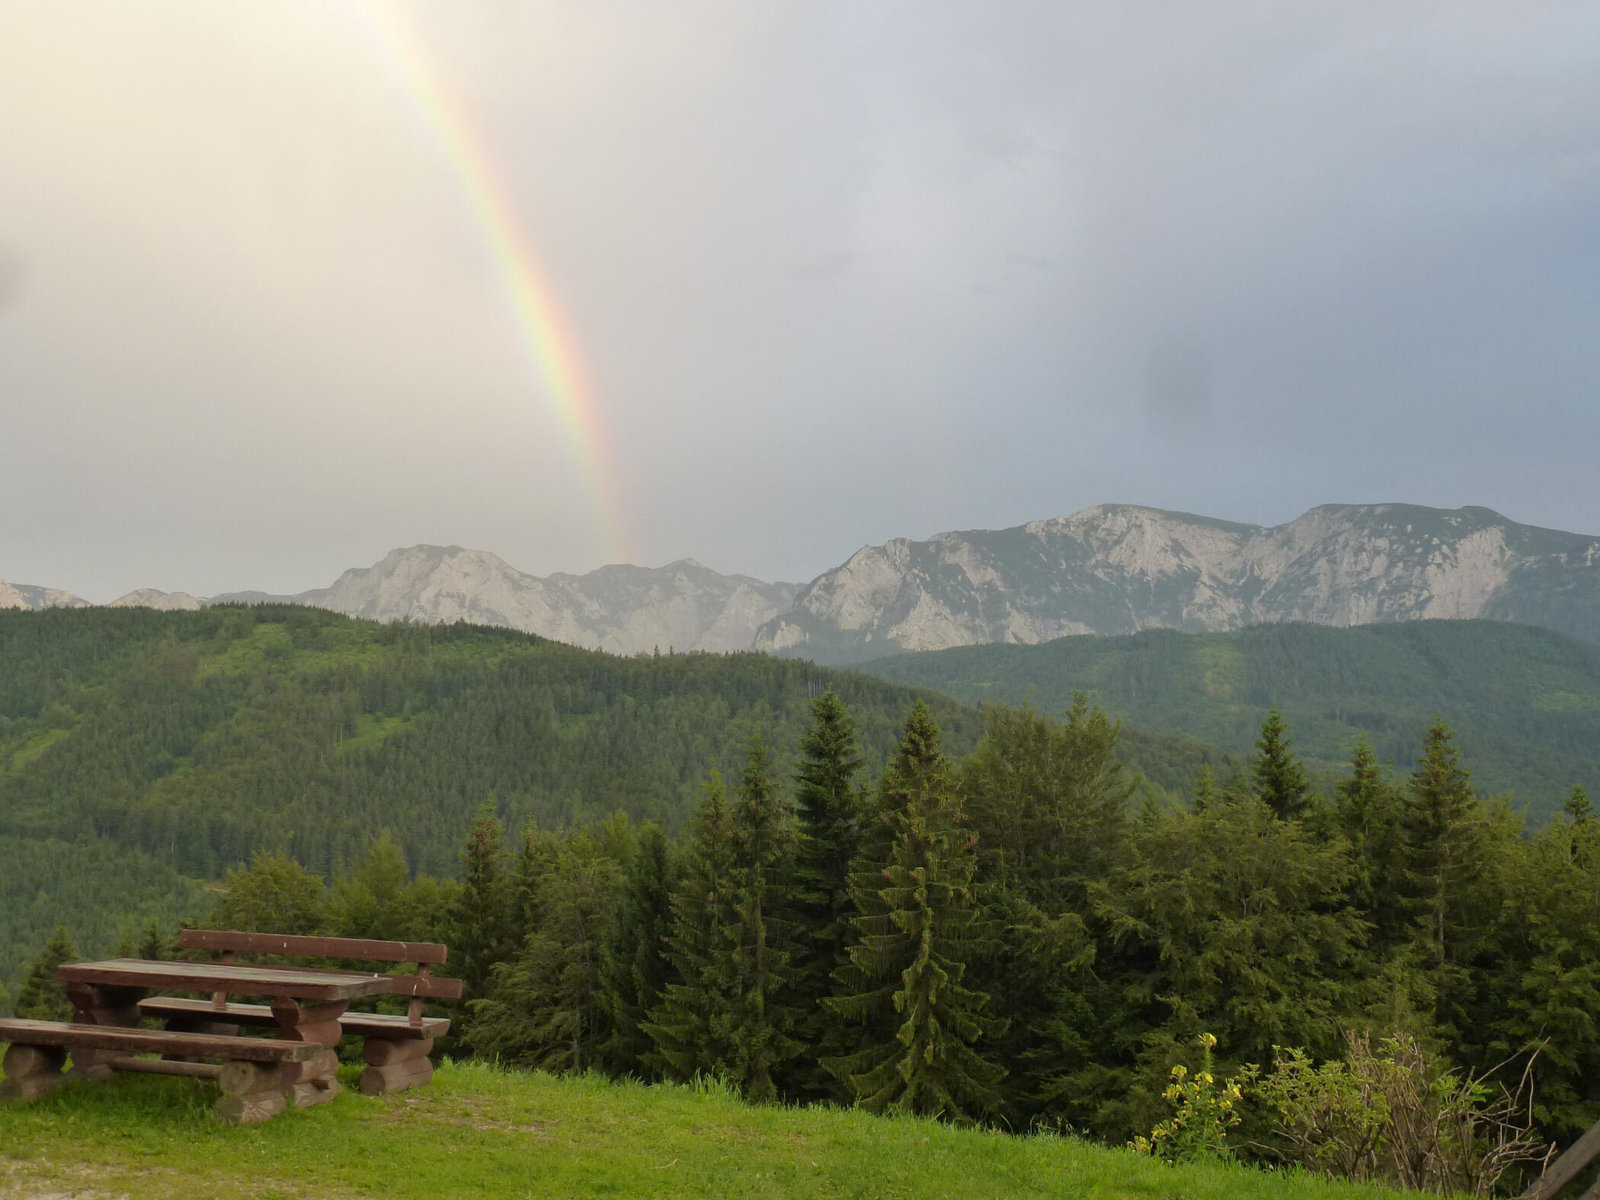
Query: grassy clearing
column 482, row 1132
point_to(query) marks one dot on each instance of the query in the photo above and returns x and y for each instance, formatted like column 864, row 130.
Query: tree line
column 1016, row 937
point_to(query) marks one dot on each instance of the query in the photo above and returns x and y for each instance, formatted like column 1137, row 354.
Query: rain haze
column 284, row 286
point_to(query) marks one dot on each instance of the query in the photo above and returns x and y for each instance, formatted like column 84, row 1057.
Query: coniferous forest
column 144, row 754
column 872, row 898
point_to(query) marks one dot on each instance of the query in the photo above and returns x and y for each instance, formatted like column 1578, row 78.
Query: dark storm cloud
column 838, row 272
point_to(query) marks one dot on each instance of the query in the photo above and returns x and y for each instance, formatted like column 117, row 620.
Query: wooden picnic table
column 306, row 1004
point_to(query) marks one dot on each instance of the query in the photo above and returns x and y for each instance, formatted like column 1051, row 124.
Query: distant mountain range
column 1111, row 569
column 623, row 609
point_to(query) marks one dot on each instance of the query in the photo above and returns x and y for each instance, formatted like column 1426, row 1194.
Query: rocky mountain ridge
column 620, row 608
column 32, row 597
column 1117, row 569
column 1110, row 569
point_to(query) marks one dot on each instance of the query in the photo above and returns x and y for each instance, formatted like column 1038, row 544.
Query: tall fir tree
column 544, row 1009
column 1048, row 801
column 1230, row 921
column 1440, row 827
column 153, row 943
column 923, row 1033
column 481, row 929
column 1577, row 805
column 365, row 900
column 829, row 809
column 688, row 1027
column 1368, row 809
column 1544, row 987
column 43, row 997
column 753, row 970
column 274, row 892
column 633, row 963
column 1280, row 781
column 524, row 874
column 1049, row 804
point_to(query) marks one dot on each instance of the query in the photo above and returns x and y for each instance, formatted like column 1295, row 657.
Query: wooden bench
column 258, row 1076
column 397, row 1045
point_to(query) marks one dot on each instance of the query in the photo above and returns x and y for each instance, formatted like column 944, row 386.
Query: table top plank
column 293, row 983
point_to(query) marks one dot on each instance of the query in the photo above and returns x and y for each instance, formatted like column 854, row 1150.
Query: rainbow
column 547, row 341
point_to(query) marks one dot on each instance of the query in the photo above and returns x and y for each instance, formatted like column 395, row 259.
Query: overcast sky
column 836, row 272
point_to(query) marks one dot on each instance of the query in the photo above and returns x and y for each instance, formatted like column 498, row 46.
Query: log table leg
column 395, row 1064
column 31, row 1071
column 93, row 1004
column 251, row 1092
column 316, row 1081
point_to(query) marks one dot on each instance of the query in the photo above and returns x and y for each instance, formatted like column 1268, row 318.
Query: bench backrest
column 424, row 955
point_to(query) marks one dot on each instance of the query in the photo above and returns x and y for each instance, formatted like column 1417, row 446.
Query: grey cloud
column 836, row 272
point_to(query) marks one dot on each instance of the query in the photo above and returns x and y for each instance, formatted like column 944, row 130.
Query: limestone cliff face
column 1116, row 569
column 25, row 595
column 623, row 609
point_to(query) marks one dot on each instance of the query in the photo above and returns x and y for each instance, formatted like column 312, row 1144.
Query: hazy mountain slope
column 27, row 596
column 152, row 598
column 1524, row 702
column 1117, row 569
column 622, row 609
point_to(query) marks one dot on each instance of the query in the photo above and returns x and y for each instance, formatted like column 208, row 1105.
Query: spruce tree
column 1440, row 827
column 273, row 893
column 1368, row 809
column 538, row 853
column 918, row 924
column 688, row 1027
column 1280, row 780
column 543, row 1009
column 43, row 996
column 753, row 968
column 1048, row 801
column 153, row 943
column 829, row 810
column 481, row 929
column 633, row 964
column 1049, row 804
column 365, row 899
column 1230, row 921
column 1578, row 806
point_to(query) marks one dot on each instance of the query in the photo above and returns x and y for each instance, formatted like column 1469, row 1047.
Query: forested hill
column 141, row 751
column 1524, row 702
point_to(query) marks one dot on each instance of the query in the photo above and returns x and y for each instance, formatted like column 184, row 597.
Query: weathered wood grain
column 380, row 1052
column 380, row 1081
column 250, row 1109
column 153, row 1041
column 359, row 949
column 234, row 978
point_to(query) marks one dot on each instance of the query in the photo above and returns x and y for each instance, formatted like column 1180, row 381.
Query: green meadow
column 479, row 1131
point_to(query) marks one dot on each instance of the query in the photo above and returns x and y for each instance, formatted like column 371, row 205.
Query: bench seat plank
column 24, row 1032
column 388, row 1025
